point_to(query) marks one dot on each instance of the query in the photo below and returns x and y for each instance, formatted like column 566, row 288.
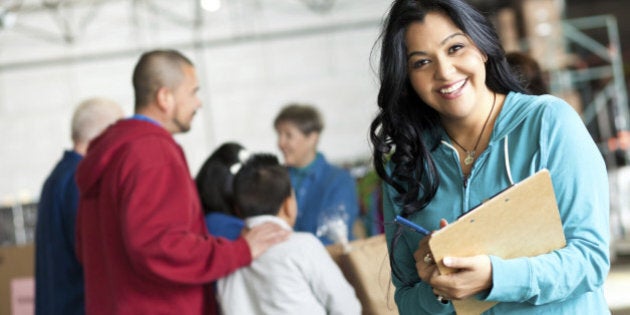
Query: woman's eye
column 455, row 48
column 419, row 63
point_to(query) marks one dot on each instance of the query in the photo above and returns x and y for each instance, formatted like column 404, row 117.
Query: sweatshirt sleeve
column 163, row 228
column 580, row 183
column 412, row 295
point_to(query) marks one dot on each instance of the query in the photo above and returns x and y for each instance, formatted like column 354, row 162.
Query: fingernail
column 447, row 261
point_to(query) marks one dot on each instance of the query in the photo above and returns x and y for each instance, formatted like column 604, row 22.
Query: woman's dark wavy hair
column 214, row 179
column 406, row 129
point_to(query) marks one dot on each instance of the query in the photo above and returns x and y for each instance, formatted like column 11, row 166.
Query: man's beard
column 182, row 127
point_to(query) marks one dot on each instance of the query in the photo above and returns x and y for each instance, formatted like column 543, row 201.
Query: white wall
column 252, row 58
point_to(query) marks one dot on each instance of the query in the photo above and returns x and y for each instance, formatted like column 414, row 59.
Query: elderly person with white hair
column 58, row 274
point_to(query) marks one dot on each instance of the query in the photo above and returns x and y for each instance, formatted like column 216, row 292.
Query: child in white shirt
column 297, row 276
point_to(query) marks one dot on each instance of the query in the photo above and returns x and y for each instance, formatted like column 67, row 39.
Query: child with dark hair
column 214, row 183
column 295, row 277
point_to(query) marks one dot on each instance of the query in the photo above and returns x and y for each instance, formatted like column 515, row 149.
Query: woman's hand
column 425, row 265
column 473, row 275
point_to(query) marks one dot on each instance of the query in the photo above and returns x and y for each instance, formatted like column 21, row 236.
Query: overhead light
column 211, row 5
column 7, row 19
column 320, row 6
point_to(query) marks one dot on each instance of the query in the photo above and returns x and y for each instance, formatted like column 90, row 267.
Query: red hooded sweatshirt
column 141, row 235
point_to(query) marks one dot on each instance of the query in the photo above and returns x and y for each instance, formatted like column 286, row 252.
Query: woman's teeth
column 453, row 88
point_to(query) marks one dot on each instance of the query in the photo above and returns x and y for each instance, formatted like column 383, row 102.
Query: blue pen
column 411, row 225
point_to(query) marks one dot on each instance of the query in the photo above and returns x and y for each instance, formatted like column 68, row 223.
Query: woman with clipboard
column 454, row 128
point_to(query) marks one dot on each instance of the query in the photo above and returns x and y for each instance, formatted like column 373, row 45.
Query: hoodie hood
column 108, row 146
column 516, row 108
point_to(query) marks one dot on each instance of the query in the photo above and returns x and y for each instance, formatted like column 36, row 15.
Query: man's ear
column 164, row 98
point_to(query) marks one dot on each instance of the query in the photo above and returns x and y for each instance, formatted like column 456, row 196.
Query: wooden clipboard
column 522, row 220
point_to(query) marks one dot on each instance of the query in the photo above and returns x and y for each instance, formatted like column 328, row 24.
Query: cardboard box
column 507, row 29
column 542, row 28
column 17, row 267
column 366, row 267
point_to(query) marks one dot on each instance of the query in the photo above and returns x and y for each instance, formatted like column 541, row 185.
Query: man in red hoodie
column 141, row 236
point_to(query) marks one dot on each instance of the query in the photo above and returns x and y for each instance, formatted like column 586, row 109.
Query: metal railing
column 17, row 224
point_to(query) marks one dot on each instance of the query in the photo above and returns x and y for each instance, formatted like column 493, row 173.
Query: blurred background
column 255, row 56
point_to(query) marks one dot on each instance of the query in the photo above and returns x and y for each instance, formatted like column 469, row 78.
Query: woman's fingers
column 473, row 275
column 443, row 223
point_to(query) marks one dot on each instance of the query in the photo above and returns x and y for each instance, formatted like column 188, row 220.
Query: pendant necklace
column 470, row 155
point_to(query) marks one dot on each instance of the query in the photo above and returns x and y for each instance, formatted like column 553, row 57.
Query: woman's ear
column 313, row 139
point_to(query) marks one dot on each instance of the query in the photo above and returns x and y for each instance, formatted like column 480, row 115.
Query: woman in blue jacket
column 326, row 194
column 454, row 128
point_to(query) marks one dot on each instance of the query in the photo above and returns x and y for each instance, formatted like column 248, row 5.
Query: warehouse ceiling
column 39, row 32
column 72, row 16
column 33, row 32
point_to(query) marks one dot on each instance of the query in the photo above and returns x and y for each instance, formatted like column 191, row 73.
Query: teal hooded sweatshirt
column 531, row 133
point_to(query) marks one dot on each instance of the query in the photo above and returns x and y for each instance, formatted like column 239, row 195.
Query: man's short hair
column 261, row 186
column 306, row 117
column 92, row 116
column 157, row 69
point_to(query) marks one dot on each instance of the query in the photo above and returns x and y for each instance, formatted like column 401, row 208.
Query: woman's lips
column 454, row 87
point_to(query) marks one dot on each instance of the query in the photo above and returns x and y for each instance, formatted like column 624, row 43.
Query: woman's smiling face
column 446, row 69
column 298, row 149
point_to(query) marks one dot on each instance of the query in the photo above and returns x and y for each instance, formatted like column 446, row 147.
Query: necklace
column 470, row 155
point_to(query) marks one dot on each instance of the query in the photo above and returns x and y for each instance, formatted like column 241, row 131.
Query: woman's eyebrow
column 422, row 53
column 451, row 36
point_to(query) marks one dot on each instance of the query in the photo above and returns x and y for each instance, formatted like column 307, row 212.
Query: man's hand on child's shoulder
column 263, row 236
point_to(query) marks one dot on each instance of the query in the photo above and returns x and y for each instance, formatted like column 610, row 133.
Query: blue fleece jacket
column 224, row 225
column 530, row 133
column 323, row 190
column 58, row 274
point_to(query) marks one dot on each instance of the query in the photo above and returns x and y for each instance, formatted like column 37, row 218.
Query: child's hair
column 261, row 186
column 215, row 178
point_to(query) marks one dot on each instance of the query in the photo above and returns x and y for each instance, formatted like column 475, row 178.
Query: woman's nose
column 444, row 69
